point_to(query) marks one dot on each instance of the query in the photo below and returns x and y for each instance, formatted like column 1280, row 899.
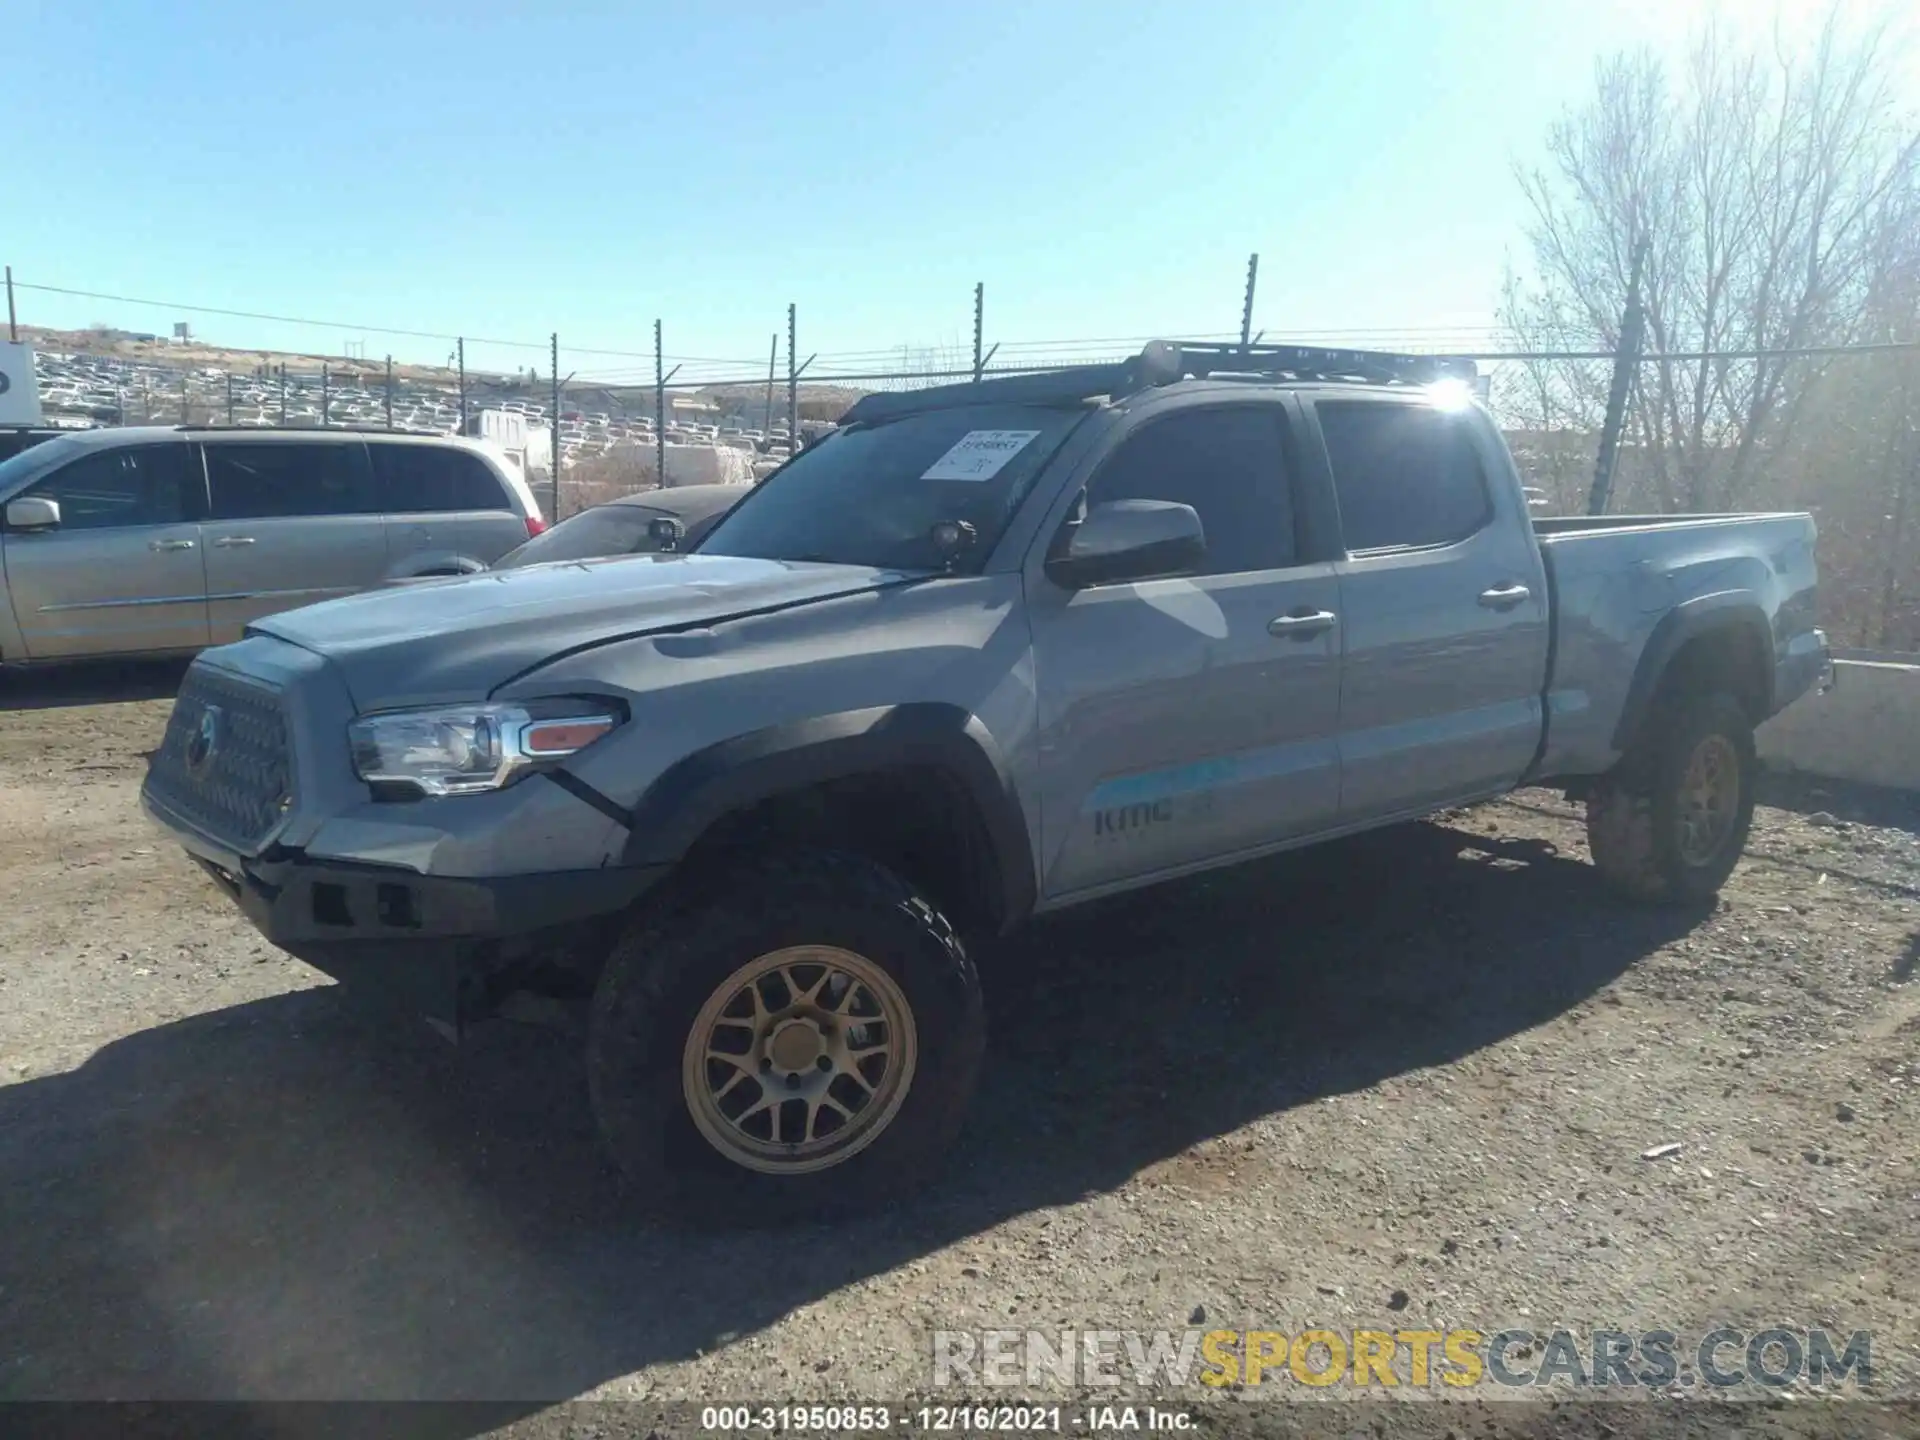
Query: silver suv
column 145, row 541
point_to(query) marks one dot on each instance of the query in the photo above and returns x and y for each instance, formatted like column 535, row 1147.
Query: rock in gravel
column 1843, row 1111
column 1199, row 1315
column 1825, row 820
column 1397, row 1300
column 1660, row 1152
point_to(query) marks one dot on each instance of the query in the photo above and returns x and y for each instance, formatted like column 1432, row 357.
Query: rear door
column 290, row 522
column 1444, row 605
column 443, row 506
column 1188, row 720
column 122, row 573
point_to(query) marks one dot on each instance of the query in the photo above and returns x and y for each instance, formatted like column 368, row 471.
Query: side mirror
column 33, row 512
column 1128, row 540
column 664, row 531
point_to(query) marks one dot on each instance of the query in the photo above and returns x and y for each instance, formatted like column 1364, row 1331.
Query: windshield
column 605, row 530
column 871, row 495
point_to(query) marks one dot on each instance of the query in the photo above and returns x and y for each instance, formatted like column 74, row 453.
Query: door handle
column 227, row 542
column 1504, row 597
column 1302, row 624
column 170, row 544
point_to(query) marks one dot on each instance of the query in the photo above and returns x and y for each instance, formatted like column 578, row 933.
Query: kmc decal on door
column 1137, row 806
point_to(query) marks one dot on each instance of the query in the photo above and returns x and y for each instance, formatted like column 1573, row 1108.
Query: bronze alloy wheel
column 1709, row 799
column 799, row 1059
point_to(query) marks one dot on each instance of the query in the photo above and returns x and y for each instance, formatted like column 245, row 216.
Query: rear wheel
column 1669, row 823
column 803, row 1044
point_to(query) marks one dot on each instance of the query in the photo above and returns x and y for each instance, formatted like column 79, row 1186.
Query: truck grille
column 225, row 765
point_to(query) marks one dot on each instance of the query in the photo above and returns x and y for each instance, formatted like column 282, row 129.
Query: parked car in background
column 148, row 540
column 631, row 525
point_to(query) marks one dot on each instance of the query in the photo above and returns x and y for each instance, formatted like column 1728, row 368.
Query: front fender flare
column 725, row 778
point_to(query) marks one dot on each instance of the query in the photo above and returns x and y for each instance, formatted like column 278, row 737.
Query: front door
column 290, row 522
column 1185, row 721
column 121, row 573
column 1446, row 609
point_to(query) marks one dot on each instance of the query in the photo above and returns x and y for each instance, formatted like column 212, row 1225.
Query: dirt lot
column 1404, row 1080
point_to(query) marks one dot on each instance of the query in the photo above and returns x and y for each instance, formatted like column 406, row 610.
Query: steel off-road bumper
column 410, row 940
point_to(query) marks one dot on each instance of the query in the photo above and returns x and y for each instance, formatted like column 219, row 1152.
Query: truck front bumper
column 413, row 933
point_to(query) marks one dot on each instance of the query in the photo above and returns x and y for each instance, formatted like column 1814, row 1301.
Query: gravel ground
column 1404, row 1080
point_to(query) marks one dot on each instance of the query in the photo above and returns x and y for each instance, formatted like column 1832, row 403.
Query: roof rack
column 1163, row 362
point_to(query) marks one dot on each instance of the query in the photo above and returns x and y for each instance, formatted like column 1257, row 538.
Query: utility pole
column 793, row 382
column 183, row 397
column 1246, row 306
column 463, row 384
column 283, row 392
column 389, row 392
column 556, row 427
column 659, row 409
column 326, row 396
column 979, row 318
column 229, row 397
column 1625, row 369
column 773, row 354
column 13, row 327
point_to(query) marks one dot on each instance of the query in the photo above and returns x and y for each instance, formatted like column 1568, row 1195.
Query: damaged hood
column 462, row 637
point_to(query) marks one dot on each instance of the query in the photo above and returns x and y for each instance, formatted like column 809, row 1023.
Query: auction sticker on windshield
column 980, row 454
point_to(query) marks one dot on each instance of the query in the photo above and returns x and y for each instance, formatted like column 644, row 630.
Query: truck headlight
column 466, row 749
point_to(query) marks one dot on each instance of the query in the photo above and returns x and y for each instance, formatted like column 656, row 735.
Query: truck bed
column 1546, row 525
column 1616, row 579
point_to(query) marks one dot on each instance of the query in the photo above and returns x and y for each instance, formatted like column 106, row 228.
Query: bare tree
column 1769, row 186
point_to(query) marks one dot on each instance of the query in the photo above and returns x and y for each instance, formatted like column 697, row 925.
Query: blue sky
column 507, row 170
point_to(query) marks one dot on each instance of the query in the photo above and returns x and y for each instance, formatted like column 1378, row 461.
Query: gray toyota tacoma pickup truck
column 989, row 650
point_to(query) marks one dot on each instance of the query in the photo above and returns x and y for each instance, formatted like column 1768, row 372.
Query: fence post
column 659, row 409
column 1626, row 361
column 183, row 397
column 389, row 392
column 229, row 397
column 462, row 343
column 555, row 429
column 773, row 354
column 793, row 382
column 326, row 396
column 283, row 392
column 13, row 327
column 979, row 318
column 1246, row 305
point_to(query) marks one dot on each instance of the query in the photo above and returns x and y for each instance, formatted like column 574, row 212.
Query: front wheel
column 802, row 1043
column 1669, row 823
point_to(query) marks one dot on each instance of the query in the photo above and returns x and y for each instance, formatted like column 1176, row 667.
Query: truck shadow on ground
column 284, row 1200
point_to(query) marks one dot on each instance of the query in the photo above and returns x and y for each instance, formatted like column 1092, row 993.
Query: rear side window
column 274, row 482
column 1406, row 475
column 427, row 479
column 118, row 489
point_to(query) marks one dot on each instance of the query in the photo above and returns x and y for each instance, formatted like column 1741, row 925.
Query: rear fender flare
column 1729, row 611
